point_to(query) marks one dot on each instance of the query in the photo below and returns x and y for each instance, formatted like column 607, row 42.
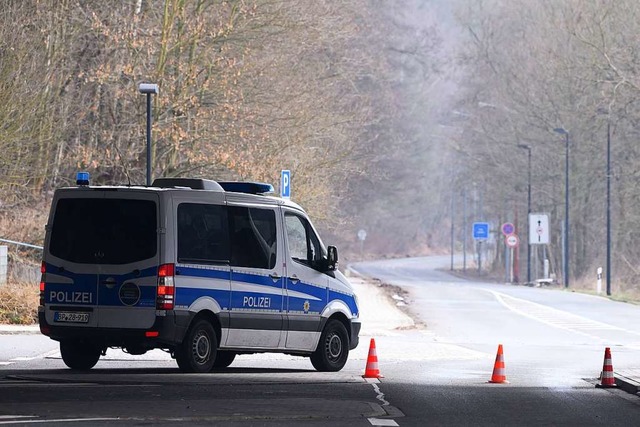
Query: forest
column 246, row 89
column 391, row 115
column 561, row 78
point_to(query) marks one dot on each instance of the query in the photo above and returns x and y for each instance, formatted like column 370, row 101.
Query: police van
column 202, row 269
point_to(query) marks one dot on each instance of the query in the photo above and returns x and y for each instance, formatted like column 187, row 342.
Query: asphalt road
column 267, row 389
column 435, row 367
column 553, row 350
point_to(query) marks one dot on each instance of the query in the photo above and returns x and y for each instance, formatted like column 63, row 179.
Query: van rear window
column 104, row 231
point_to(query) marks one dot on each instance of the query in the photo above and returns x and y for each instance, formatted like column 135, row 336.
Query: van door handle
column 275, row 276
column 294, row 279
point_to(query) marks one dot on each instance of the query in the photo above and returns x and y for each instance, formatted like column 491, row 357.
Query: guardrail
column 4, row 256
column 28, row 245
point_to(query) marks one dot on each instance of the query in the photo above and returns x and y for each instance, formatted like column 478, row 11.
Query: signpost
column 480, row 234
column 362, row 235
column 507, row 228
column 511, row 241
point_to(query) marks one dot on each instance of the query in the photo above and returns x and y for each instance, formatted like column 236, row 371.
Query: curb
column 627, row 384
column 19, row 329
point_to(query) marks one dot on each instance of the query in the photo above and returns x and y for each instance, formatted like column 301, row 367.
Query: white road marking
column 382, row 422
column 49, row 384
column 67, row 420
column 380, row 396
column 554, row 317
column 39, row 356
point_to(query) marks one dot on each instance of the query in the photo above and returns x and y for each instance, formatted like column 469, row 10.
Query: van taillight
column 43, row 270
column 166, row 288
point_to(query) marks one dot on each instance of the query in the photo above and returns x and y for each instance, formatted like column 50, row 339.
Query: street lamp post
column 528, row 148
column 453, row 198
column 608, row 277
column 148, row 89
column 564, row 132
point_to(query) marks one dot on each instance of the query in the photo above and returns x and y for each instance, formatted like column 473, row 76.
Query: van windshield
column 104, row 231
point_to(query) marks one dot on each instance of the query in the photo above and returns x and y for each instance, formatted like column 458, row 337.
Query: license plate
column 70, row 317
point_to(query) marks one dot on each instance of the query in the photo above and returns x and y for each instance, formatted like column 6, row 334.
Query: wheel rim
column 334, row 347
column 201, row 348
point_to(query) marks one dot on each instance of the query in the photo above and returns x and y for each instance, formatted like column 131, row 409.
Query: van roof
column 239, row 191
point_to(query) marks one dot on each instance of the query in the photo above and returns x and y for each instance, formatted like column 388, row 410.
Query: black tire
column 197, row 352
column 78, row 355
column 223, row 359
column 333, row 348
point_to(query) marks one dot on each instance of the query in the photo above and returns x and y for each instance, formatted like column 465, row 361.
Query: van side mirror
column 332, row 257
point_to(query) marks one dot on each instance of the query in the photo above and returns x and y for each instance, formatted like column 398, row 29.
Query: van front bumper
column 355, row 335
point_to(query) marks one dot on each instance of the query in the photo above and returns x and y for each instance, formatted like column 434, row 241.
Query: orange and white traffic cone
column 499, row 376
column 607, row 379
column 371, row 370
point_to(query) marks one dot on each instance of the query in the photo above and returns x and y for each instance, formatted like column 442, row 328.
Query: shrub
column 19, row 303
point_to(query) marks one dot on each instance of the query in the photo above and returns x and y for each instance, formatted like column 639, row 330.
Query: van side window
column 304, row 245
column 253, row 237
column 203, row 236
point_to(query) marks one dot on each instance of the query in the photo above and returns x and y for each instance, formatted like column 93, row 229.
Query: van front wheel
column 79, row 355
column 333, row 348
column 197, row 353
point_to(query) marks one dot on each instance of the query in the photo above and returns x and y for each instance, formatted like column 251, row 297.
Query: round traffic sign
column 362, row 235
column 512, row 240
column 508, row 228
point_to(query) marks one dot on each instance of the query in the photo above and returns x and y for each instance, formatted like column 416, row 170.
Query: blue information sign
column 480, row 230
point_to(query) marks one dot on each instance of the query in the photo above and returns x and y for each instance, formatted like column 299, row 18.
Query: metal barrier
column 4, row 257
column 28, row 245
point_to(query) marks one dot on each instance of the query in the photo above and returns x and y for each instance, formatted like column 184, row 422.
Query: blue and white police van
column 202, row 269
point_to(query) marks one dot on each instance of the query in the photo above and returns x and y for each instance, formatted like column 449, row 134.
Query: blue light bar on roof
column 82, row 178
column 247, row 187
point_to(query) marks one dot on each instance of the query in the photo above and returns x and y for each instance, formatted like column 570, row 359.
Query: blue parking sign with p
column 285, row 184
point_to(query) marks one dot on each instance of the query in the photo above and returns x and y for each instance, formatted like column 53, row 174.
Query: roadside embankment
column 380, row 313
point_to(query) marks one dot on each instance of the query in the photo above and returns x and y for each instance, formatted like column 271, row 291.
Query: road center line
column 379, row 393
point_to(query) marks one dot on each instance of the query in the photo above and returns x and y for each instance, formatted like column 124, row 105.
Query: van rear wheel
column 333, row 348
column 197, row 352
column 223, row 359
column 79, row 355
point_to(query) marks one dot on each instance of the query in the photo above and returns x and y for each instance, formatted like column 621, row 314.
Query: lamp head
column 148, row 88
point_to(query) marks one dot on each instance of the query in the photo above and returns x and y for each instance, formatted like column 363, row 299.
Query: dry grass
column 624, row 292
column 19, row 303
